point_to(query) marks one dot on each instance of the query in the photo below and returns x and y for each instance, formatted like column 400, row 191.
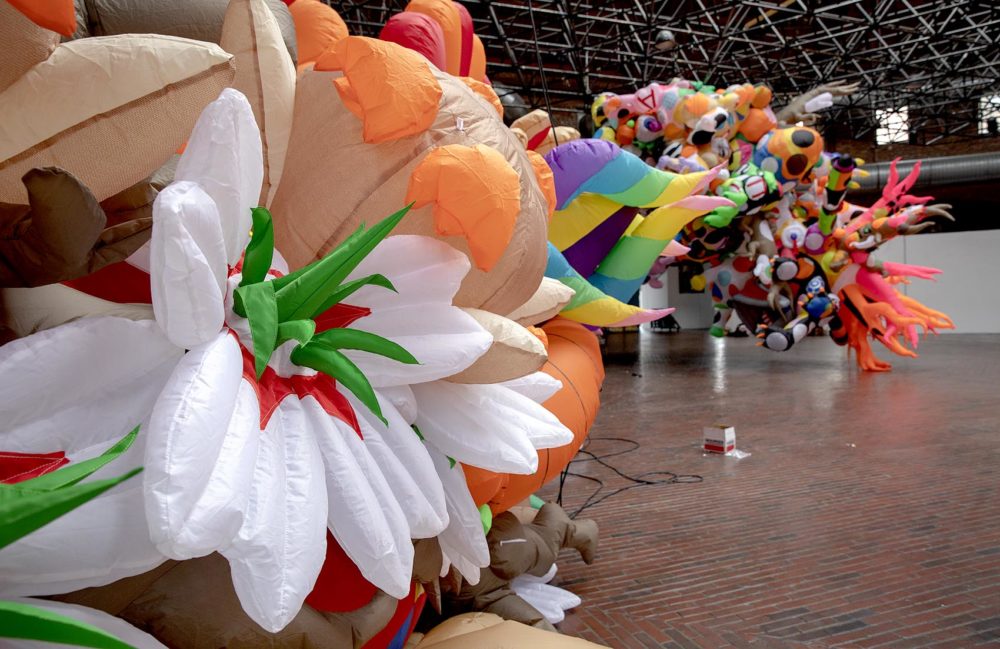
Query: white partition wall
column 969, row 288
column 694, row 310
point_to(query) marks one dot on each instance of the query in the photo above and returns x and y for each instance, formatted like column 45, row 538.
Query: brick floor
column 867, row 516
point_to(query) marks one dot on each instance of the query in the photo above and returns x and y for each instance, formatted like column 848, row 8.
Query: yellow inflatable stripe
column 664, row 223
column 679, row 187
column 579, row 218
column 601, row 313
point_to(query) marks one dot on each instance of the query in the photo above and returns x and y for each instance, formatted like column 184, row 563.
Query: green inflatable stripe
column 631, row 257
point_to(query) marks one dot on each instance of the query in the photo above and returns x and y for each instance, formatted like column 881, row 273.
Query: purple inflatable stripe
column 586, row 254
column 573, row 163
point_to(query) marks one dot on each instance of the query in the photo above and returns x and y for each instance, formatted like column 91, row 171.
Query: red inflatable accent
column 418, row 32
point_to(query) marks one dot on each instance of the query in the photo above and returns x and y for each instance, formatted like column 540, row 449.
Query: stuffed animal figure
column 518, row 548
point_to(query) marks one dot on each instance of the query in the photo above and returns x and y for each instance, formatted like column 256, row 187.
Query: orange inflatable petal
column 445, row 13
column 317, row 28
column 55, row 15
column 485, row 91
column 476, row 195
column 546, row 181
column 477, row 67
column 389, row 88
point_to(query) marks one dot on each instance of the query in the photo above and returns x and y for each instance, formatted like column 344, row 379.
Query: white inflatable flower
column 280, row 422
column 251, row 451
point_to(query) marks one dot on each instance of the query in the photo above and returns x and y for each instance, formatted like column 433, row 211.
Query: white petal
column 419, row 315
column 223, row 155
column 219, row 512
column 550, row 601
column 187, row 434
column 467, row 423
column 363, row 516
column 402, row 399
column 463, row 543
column 113, row 625
column 278, row 553
column 423, row 270
column 407, row 468
column 100, row 542
column 188, row 258
column 444, row 340
column 537, row 386
column 82, row 383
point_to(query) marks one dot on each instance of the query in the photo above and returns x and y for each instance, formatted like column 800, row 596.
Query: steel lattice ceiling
column 936, row 58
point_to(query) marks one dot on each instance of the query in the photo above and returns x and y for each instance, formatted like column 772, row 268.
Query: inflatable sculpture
column 789, row 253
column 321, row 316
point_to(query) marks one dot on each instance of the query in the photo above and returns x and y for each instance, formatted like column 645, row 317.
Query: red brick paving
column 867, row 516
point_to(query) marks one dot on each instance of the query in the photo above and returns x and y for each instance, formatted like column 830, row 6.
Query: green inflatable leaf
column 74, row 473
column 300, row 330
column 365, row 342
column 261, row 311
column 346, row 290
column 486, row 516
column 260, row 251
column 27, row 622
column 305, row 295
column 30, row 510
column 333, row 363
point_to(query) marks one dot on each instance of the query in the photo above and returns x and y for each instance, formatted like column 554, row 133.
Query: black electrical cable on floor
column 641, row 480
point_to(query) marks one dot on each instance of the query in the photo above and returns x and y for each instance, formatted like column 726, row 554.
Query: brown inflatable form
column 517, row 549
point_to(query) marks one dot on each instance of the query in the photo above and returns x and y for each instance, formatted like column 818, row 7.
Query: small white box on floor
column 719, row 438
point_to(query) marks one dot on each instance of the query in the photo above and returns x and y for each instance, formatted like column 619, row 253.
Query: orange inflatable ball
column 574, row 359
column 366, row 118
column 317, row 28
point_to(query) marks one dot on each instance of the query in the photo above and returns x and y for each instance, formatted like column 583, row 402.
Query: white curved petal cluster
column 259, row 470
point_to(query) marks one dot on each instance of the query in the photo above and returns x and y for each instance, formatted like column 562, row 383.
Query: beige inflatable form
column 333, row 181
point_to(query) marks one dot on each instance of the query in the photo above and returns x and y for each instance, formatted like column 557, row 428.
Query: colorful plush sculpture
column 785, row 253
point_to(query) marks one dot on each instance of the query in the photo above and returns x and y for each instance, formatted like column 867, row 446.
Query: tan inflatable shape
column 509, row 635
column 458, row 626
column 515, row 352
column 333, row 181
column 192, row 604
column 266, row 75
column 550, row 298
column 109, row 110
column 30, row 310
column 532, row 125
column 199, row 20
column 24, row 44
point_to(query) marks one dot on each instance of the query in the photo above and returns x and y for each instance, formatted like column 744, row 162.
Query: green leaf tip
column 27, row 622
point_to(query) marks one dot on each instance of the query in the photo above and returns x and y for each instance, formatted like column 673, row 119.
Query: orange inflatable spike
column 546, row 181
column 476, row 194
column 389, row 88
column 477, row 67
column 485, row 91
column 55, row 15
column 317, row 29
